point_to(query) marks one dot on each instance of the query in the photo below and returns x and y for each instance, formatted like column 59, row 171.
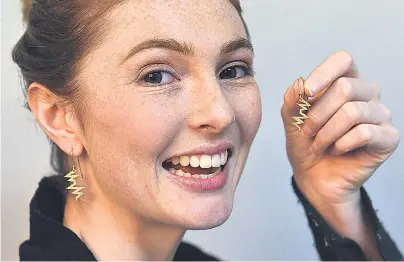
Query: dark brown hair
column 58, row 32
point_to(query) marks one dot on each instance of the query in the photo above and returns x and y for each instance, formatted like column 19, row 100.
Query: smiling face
column 170, row 87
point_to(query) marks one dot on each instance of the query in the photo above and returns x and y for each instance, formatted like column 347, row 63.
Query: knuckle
column 365, row 133
column 345, row 57
column 346, row 88
column 352, row 112
column 396, row 135
column 388, row 113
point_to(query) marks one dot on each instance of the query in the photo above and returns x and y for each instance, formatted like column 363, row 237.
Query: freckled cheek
column 248, row 110
column 140, row 128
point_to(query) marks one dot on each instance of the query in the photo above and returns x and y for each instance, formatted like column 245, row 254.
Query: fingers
column 345, row 114
column 339, row 93
column 335, row 66
column 375, row 138
column 348, row 116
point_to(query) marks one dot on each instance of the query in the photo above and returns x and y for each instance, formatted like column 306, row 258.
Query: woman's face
column 170, row 82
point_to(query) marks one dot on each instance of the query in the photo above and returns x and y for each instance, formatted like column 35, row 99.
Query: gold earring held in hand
column 71, row 177
column 303, row 104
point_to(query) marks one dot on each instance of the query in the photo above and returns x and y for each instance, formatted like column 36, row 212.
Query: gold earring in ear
column 303, row 105
column 71, row 177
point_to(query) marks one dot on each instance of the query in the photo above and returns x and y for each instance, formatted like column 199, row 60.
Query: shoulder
column 188, row 252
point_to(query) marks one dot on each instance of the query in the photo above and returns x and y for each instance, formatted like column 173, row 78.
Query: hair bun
column 25, row 8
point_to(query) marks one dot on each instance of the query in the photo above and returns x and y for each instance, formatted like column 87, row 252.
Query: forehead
column 204, row 24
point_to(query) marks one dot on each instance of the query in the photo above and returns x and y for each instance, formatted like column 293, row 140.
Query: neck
column 112, row 233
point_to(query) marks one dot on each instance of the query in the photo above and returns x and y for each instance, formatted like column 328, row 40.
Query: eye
column 159, row 78
column 234, row 72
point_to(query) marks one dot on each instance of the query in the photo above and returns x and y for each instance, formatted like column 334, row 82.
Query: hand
column 348, row 134
column 347, row 137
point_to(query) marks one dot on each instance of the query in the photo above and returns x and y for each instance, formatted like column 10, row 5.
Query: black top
column 50, row 240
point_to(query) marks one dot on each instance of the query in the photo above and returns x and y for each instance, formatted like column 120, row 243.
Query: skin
column 129, row 127
column 347, row 137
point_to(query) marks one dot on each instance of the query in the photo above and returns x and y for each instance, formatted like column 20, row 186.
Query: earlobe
column 54, row 118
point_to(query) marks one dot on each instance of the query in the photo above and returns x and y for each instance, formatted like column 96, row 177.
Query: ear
column 55, row 119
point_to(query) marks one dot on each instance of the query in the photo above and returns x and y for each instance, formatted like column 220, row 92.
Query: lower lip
column 214, row 183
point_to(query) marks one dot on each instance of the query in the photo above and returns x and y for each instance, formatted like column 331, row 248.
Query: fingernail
column 308, row 89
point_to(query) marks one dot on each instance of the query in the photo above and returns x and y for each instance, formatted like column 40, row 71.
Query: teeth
column 222, row 158
column 179, row 172
column 205, row 161
column 175, row 160
column 184, row 160
column 208, row 176
column 194, row 161
column 201, row 176
column 216, row 161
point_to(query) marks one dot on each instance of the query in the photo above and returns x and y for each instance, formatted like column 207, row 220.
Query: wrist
column 327, row 193
column 342, row 211
column 346, row 215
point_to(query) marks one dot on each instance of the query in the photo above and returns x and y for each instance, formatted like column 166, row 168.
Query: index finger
column 339, row 64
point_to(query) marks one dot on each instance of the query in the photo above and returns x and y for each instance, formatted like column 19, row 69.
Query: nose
column 211, row 111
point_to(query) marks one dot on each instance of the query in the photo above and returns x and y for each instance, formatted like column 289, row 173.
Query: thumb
column 297, row 144
column 291, row 108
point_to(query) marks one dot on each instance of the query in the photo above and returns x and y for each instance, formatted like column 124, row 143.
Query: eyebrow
column 232, row 46
column 186, row 49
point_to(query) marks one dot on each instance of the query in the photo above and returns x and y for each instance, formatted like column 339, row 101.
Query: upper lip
column 206, row 150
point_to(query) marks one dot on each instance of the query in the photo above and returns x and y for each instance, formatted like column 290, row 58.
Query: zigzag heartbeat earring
column 71, row 177
column 303, row 105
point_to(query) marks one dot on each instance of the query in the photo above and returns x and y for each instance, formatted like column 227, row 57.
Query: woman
column 150, row 138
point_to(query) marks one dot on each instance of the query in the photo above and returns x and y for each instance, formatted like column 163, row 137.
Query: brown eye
column 234, row 72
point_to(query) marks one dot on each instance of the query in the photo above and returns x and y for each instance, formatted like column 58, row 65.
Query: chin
column 205, row 213
column 211, row 222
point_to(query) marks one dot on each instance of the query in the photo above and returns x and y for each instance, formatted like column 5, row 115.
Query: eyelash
column 159, row 68
column 247, row 70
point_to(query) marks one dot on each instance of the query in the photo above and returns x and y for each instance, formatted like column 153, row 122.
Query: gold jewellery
column 71, row 177
column 303, row 105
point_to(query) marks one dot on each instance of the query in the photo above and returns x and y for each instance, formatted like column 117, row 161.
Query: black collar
column 51, row 240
